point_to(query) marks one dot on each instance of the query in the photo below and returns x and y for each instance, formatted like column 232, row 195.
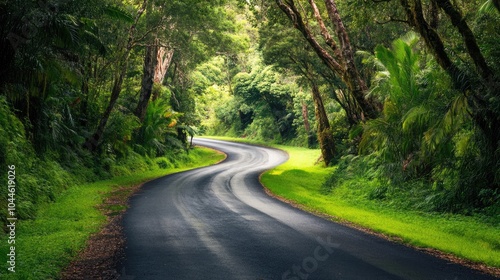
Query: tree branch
column 470, row 40
column 291, row 11
column 391, row 19
column 324, row 32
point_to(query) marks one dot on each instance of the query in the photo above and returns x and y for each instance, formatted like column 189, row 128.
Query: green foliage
column 12, row 138
column 349, row 170
column 37, row 180
column 157, row 134
column 258, row 104
column 306, row 136
column 118, row 13
column 215, row 108
column 268, row 101
column 119, row 134
column 424, row 142
column 407, row 135
column 56, row 81
column 425, row 152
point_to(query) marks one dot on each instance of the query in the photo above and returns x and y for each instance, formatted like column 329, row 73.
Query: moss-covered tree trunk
column 325, row 135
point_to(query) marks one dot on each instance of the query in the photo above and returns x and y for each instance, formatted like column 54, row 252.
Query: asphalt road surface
column 218, row 223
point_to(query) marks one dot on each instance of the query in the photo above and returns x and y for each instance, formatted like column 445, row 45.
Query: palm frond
column 419, row 116
column 486, row 8
column 118, row 14
column 65, row 29
column 160, row 120
column 457, row 114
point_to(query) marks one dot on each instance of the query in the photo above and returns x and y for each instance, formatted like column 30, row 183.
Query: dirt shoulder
column 105, row 249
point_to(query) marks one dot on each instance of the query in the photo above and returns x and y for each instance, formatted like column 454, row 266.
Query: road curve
column 218, row 223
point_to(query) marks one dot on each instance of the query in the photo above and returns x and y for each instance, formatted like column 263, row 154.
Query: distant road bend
column 218, row 223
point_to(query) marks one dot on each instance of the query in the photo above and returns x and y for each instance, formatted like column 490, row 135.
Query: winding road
column 218, row 223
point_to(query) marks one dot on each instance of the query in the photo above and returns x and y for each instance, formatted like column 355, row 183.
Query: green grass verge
column 300, row 180
column 46, row 245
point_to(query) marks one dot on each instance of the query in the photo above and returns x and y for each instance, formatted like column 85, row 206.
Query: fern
column 487, row 8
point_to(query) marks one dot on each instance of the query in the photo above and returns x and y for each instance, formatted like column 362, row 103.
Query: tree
column 161, row 21
column 93, row 142
column 189, row 34
column 149, row 72
column 282, row 47
column 340, row 58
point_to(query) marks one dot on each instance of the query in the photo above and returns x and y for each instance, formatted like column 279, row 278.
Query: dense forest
column 402, row 92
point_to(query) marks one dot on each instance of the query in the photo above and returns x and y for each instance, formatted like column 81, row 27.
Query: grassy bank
column 301, row 180
column 47, row 244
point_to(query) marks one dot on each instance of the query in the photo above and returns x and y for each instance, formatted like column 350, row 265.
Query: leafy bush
column 118, row 134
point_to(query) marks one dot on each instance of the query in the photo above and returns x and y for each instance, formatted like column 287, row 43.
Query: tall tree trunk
column 182, row 135
column 157, row 60
column 433, row 15
column 325, row 135
column 94, row 141
column 148, row 74
column 311, row 138
column 83, row 106
column 305, row 116
column 461, row 81
column 324, row 31
column 352, row 78
column 164, row 58
column 433, row 41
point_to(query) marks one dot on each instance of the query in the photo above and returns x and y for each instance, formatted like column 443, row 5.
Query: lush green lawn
column 47, row 244
column 300, row 180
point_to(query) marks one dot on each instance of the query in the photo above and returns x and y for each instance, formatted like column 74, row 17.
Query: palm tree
column 414, row 122
column 158, row 131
